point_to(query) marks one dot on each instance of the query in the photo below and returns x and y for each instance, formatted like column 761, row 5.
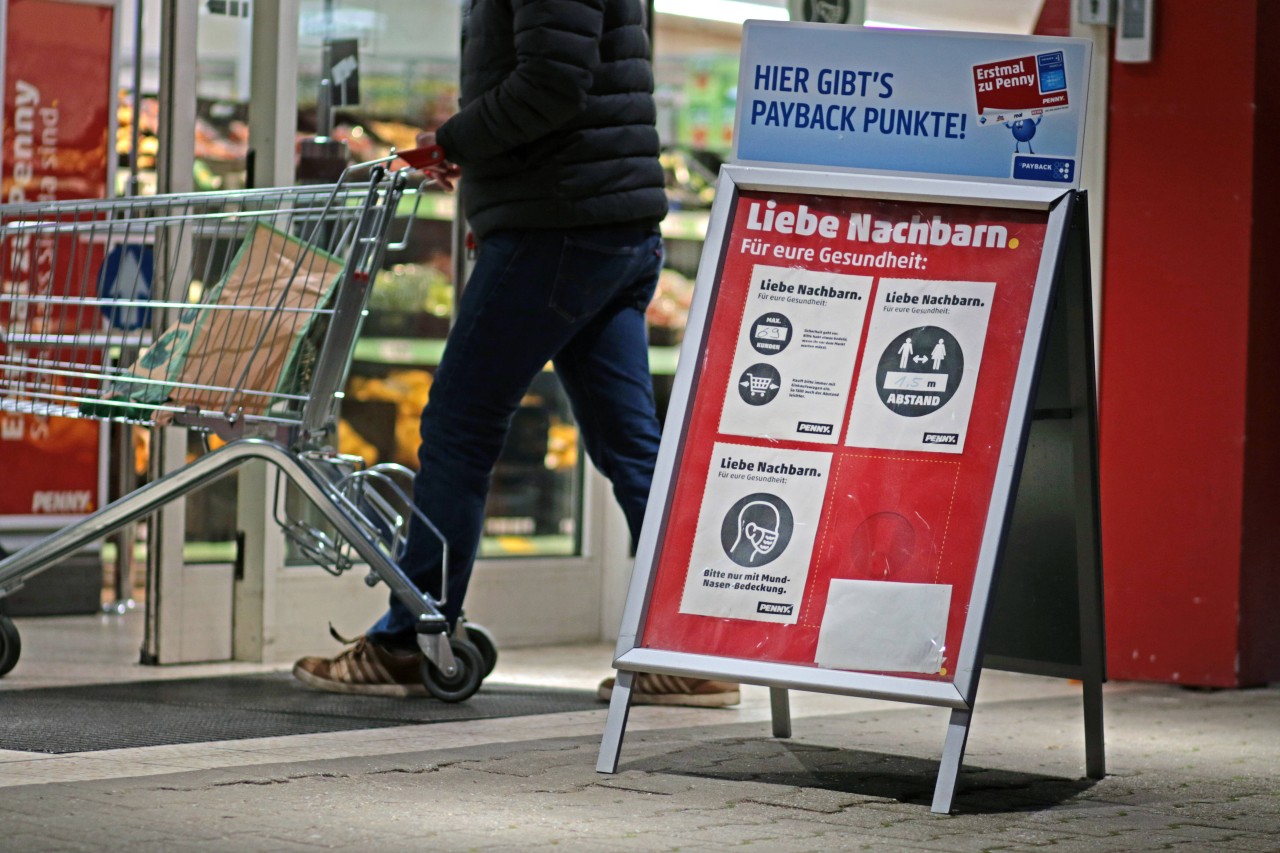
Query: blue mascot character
column 1024, row 130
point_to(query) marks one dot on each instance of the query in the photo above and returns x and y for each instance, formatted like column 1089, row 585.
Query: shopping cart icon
column 760, row 386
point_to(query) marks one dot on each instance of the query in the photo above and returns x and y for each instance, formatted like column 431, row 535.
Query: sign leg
column 1095, row 756
column 952, row 755
column 1079, row 305
column 780, row 705
column 615, row 725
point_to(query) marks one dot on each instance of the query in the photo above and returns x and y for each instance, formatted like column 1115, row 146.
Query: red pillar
column 1190, row 353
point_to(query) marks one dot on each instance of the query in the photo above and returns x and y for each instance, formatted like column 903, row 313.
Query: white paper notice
column 756, row 528
column 924, row 351
column 883, row 626
column 795, row 354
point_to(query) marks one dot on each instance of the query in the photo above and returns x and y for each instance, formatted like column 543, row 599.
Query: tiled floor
column 97, row 649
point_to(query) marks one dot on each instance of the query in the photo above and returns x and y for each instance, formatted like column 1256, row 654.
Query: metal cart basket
column 234, row 314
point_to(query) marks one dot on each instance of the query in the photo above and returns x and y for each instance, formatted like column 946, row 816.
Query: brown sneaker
column 365, row 669
column 651, row 688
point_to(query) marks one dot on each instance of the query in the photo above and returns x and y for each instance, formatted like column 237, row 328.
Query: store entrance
column 555, row 552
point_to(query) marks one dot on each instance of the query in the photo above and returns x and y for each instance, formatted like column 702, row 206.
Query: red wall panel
column 1175, row 345
column 1260, row 565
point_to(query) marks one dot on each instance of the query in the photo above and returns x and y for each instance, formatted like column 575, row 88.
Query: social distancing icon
column 920, row 371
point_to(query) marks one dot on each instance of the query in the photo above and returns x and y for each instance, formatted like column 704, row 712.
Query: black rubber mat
column 60, row 720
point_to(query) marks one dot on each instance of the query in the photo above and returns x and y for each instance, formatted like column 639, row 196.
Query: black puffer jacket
column 556, row 128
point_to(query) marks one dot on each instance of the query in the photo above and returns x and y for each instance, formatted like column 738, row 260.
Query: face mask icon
column 759, row 528
column 756, row 529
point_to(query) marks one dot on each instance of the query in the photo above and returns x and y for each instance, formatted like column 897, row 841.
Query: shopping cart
column 234, row 314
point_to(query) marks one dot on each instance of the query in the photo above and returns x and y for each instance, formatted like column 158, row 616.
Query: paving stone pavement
column 1188, row 770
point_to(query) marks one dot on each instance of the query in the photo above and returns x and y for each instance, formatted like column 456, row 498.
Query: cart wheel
column 479, row 636
column 463, row 683
column 10, row 645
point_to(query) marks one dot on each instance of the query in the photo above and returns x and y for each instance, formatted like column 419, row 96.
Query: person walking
column 557, row 148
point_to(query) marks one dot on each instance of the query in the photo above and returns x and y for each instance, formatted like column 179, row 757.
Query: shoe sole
column 357, row 689
column 688, row 700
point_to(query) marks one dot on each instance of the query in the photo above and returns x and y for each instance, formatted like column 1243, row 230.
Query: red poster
column 59, row 99
column 845, row 431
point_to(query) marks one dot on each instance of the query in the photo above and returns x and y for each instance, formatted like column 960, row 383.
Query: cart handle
column 422, row 158
column 403, row 242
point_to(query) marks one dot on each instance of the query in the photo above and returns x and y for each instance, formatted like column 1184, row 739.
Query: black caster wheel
column 464, row 682
column 479, row 636
column 10, row 645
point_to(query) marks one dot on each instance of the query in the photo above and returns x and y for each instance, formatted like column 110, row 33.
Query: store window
column 406, row 53
column 221, row 162
column 407, row 60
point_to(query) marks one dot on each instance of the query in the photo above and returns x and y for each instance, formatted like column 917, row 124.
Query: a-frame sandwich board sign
column 858, row 382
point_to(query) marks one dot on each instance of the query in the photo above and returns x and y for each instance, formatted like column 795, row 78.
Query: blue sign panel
column 957, row 105
column 1060, row 170
column 1053, row 72
column 125, row 282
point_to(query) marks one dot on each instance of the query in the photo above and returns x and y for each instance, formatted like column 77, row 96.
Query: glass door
column 541, row 541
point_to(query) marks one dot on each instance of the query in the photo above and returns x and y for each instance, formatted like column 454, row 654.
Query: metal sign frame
column 959, row 694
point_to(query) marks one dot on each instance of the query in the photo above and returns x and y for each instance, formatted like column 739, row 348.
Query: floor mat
column 60, row 720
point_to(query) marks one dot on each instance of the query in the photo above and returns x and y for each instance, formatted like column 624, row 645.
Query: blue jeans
column 574, row 298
